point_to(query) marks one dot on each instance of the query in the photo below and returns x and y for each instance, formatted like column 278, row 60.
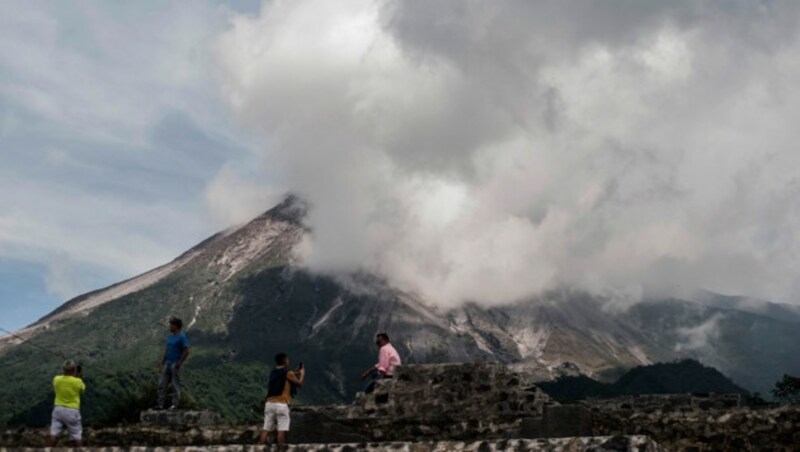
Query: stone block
column 531, row 427
column 179, row 418
column 311, row 426
column 566, row 420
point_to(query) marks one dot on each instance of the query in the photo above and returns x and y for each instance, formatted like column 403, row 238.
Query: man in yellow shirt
column 66, row 411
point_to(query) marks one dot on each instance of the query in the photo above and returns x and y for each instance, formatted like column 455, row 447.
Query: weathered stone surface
column 484, row 407
column 559, row 421
column 310, row 426
column 443, row 401
column 595, row 444
column 670, row 402
column 435, row 401
column 423, row 402
column 179, row 418
column 463, row 390
column 140, row 435
column 741, row 429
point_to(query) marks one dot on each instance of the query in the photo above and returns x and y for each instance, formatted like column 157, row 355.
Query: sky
column 462, row 150
column 115, row 146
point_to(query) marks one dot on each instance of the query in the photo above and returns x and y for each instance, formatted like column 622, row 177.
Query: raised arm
column 292, row 377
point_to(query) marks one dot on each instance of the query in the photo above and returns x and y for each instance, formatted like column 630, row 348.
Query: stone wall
column 453, row 390
column 740, row 429
column 430, row 402
column 595, row 444
column 422, row 402
column 179, row 418
column 669, row 402
column 139, row 435
column 473, row 402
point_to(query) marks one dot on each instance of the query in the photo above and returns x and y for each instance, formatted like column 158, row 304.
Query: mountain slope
column 753, row 349
column 682, row 377
column 243, row 298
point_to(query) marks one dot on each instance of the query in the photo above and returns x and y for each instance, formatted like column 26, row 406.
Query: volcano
column 244, row 295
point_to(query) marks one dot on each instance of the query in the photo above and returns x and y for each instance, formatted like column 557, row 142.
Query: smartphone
column 300, row 366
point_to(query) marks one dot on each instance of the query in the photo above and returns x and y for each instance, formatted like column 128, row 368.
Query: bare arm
column 292, row 377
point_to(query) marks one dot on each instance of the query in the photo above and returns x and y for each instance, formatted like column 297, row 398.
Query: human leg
column 283, row 421
column 164, row 380
column 270, row 422
column 56, row 427
column 371, row 379
column 73, row 423
column 176, row 385
column 263, row 438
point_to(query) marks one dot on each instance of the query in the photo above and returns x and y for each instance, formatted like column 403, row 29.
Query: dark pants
column 373, row 377
column 170, row 374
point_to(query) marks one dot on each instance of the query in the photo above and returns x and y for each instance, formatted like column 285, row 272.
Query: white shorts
column 276, row 415
column 66, row 418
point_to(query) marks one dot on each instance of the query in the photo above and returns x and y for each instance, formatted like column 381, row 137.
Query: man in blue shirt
column 175, row 354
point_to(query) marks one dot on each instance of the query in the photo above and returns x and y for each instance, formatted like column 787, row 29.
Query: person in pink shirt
column 388, row 359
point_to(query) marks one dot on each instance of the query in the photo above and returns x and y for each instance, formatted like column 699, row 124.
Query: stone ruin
column 469, row 407
column 594, row 444
column 436, row 401
column 651, row 403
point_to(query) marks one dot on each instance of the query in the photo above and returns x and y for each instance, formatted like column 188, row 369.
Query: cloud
column 234, row 199
column 60, row 279
column 111, row 130
column 472, row 151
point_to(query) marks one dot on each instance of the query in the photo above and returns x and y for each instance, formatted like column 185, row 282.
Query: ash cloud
column 488, row 151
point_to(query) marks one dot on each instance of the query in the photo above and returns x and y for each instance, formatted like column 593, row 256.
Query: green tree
column 787, row 389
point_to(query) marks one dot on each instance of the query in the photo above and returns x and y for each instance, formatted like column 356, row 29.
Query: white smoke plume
column 250, row 198
column 701, row 336
column 487, row 151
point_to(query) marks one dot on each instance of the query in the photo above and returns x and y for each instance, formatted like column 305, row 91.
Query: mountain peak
column 277, row 230
column 293, row 208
